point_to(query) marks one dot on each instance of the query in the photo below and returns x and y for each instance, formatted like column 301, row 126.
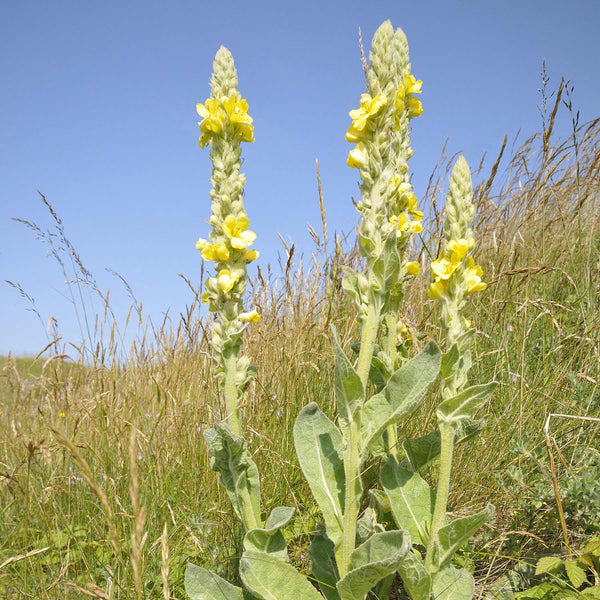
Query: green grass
column 73, row 497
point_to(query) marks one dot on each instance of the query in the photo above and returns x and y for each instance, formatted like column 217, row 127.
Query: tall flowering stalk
column 455, row 276
column 225, row 124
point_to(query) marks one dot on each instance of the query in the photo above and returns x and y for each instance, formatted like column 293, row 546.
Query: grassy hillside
column 84, row 446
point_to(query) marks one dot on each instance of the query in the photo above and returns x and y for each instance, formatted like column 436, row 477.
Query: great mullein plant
column 354, row 556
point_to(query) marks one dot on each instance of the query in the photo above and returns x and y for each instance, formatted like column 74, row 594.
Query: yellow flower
column 250, row 317
column 236, row 229
column 415, row 108
column 466, row 322
column 412, row 85
column 369, row 108
column 437, row 289
column 251, row 255
column 413, row 268
column 459, row 248
column 357, row 158
column 210, row 251
column 404, row 223
column 443, row 267
column 473, row 277
column 62, row 414
column 225, row 281
column 213, row 119
column 237, row 111
column 404, row 97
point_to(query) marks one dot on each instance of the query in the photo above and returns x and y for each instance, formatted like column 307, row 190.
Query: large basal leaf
column 415, row 577
column 465, row 405
column 453, row 584
column 320, row 448
column 457, row 532
column 349, row 390
column 230, row 457
column 269, row 578
column 270, row 539
column 371, row 562
column 201, row 584
column 422, row 450
column 411, row 500
column 402, row 394
column 324, row 567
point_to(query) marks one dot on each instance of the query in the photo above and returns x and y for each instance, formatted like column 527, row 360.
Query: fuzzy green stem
column 367, row 343
column 353, row 491
column 392, row 333
column 353, row 487
column 231, row 393
column 443, row 488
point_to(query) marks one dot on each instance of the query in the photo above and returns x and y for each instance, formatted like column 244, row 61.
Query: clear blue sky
column 98, row 112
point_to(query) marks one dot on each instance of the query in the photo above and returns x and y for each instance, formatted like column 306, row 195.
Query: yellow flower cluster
column 404, row 197
column 363, row 117
column 217, row 113
column 405, row 99
column 452, row 263
column 238, row 237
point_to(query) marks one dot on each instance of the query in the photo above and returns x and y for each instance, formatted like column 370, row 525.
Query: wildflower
column 443, row 267
column 225, row 281
column 473, row 277
column 251, row 255
column 437, row 290
column 250, row 317
column 62, row 414
column 405, row 223
column 236, row 229
column 236, row 109
column 357, row 159
column 466, row 322
column 405, row 99
column 413, row 268
column 213, row 119
column 210, row 251
column 369, row 108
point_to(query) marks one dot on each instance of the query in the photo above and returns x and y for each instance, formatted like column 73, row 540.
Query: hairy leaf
column 349, row 390
column 465, row 404
column 403, row 393
column 270, row 539
column 230, row 457
column 269, row 578
column 201, row 584
column 324, row 567
column 457, row 532
column 411, row 499
column 320, row 447
column 453, row 584
column 422, row 450
column 415, row 577
column 371, row 562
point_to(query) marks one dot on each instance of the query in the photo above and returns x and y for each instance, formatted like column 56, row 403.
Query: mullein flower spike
column 225, row 124
column 454, row 273
column 380, row 132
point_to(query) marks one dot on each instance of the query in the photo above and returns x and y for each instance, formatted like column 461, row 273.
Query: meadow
column 105, row 485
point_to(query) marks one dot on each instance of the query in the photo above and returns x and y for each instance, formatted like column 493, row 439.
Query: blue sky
column 98, row 113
